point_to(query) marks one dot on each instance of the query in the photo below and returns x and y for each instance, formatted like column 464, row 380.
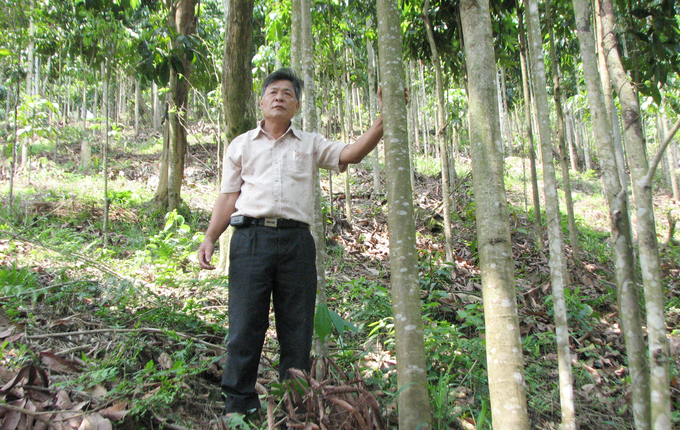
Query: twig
column 121, row 330
column 94, row 263
column 166, row 424
column 657, row 158
column 37, row 415
column 23, row 293
column 74, row 349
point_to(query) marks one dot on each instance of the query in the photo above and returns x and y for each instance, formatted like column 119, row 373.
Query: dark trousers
column 268, row 263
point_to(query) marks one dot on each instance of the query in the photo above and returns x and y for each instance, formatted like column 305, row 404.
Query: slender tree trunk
column 321, row 347
column 617, row 198
column 561, row 132
column 295, row 35
column 105, row 152
column 569, row 128
column 182, row 19
column 307, row 67
column 412, row 123
column 14, row 148
column 441, row 135
column 413, row 403
column 85, row 148
column 341, row 112
column 503, row 343
column 237, row 87
column 675, row 186
column 137, row 104
column 529, row 135
column 671, row 161
column 349, row 131
column 650, row 263
column 558, row 264
column 161, row 197
column 30, row 51
column 372, row 108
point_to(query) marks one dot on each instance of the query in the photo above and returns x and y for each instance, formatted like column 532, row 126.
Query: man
column 268, row 195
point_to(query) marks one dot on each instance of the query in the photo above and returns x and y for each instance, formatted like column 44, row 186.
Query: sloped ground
column 132, row 337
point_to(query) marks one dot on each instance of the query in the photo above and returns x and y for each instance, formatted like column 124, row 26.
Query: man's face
column 279, row 102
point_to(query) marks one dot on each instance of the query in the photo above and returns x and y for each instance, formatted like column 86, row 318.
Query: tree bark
column 650, row 263
column 559, row 275
column 413, row 402
column 441, row 135
column 617, row 198
column 503, row 343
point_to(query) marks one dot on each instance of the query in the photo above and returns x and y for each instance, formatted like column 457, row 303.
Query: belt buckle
column 271, row 222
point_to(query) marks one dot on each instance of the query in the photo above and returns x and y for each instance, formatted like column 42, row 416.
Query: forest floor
column 112, row 324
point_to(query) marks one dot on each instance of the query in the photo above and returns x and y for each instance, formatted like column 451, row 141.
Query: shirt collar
column 256, row 132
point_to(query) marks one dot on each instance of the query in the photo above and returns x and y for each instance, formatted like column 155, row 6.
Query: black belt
column 273, row 222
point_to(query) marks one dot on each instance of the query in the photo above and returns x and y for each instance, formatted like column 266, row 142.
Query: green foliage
column 15, row 281
column 171, row 247
column 325, row 320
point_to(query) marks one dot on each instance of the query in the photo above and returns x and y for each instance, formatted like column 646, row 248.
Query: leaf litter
column 44, row 391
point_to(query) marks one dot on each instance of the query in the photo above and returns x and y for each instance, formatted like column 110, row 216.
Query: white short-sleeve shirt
column 276, row 176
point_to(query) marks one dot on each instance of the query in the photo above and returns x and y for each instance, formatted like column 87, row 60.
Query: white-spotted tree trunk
column 559, row 276
column 650, row 263
column 617, row 198
column 413, row 402
column 503, row 343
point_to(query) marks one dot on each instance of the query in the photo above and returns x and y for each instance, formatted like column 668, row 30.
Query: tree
column 559, row 276
column 503, row 343
column 441, row 135
column 561, row 136
column 414, row 410
column 529, row 133
column 182, row 20
column 237, row 85
column 650, row 263
column 617, row 198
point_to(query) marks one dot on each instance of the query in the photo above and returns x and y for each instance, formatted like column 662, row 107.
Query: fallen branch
column 121, row 330
column 40, row 416
column 164, row 422
column 23, row 293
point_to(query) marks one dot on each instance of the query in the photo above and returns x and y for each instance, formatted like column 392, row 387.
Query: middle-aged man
column 268, row 196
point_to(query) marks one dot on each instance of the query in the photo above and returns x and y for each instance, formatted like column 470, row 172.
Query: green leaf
column 340, row 324
column 4, row 52
column 323, row 323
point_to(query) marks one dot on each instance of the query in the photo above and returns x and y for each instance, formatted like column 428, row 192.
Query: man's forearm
column 356, row 152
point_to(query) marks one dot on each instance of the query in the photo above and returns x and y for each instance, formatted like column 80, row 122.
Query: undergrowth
column 152, row 327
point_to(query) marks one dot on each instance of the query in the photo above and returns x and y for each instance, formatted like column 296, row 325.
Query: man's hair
column 284, row 74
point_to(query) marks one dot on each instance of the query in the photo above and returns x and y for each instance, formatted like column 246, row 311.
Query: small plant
column 171, row 247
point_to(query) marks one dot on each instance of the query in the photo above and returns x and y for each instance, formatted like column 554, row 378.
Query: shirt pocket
column 300, row 162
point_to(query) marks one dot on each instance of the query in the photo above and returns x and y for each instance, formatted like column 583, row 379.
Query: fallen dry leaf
column 95, row 422
column 63, row 401
column 116, row 412
column 165, row 361
column 58, row 364
column 97, row 390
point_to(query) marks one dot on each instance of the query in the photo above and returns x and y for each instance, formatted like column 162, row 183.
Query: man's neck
column 275, row 129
